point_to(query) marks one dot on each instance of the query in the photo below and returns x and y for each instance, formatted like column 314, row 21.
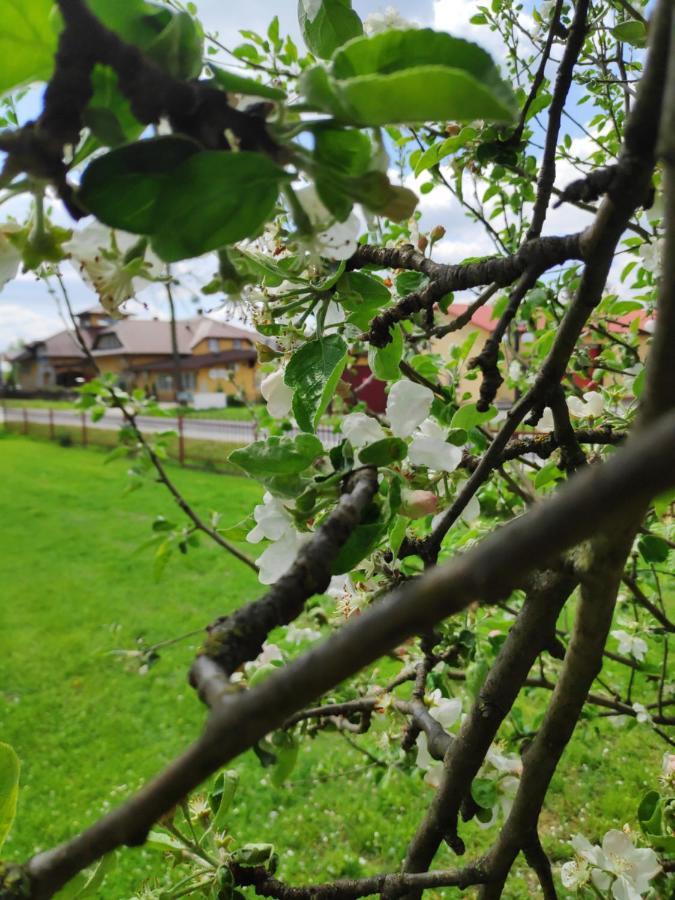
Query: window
column 237, row 344
column 188, row 379
column 165, row 382
column 108, row 342
column 214, row 345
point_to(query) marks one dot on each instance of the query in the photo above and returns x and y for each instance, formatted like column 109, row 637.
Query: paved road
column 195, row 429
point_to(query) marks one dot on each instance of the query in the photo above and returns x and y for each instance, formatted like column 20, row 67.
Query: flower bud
column 437, row 232
column 417, row 504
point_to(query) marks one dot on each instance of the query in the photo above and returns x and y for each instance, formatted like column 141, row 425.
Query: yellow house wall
column 470, row 380
column 244, row 377
column 223, row 344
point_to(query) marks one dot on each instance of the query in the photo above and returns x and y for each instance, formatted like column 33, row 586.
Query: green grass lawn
column 89, row 729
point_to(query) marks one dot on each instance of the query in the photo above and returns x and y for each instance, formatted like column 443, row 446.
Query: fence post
column 83, row 418
column 25, row 420
column 51, row 424
column 181, row 440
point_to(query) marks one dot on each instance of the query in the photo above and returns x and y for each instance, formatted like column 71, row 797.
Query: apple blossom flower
column 389, row 20
column 331, row 239
column 277, row 394
column 617, row 864
column 430, row 448
column 630, row 645
column 360, row 429
column 408, row 405
column 446, row 710
column 296, row 635
column 272, row 518
column 270, row 653
column 651, row 255
column 417, row 504
column 100, row 255
column 593, row 405
column 280, row 556
column 641, row 713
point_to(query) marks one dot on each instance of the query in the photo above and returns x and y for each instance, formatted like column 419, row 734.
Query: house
column 216, row 360
column 482, row 325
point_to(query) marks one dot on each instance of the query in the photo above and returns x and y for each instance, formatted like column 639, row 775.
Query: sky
column 28, row 312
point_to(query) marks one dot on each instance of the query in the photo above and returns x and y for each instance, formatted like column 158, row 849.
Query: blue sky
column 28, row 312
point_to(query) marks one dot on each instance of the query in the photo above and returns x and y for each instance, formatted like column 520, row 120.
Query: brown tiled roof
column 153, row 336
column 61, row 344
column 198, row 361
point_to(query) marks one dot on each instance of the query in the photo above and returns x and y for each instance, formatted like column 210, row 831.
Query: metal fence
column 204, row 443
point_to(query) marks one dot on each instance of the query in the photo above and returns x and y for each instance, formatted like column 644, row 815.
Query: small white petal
column 360, row 429
column 277, row 394
column 408, row 406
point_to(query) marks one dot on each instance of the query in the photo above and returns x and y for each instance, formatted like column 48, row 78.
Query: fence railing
column 198, row 442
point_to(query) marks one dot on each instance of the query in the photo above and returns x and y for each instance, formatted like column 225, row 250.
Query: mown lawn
column 89, row 729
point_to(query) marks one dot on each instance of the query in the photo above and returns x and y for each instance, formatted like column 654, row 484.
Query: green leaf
column 348, row 153
column 484, row 792
column 122, row 188
column 359, row 544
column 409, row 76
column 547, row 474
column 313, row 373
column 409, row 282
column 27, row 42
column 158, row 840
column 239, row 531
column 134, row 21
column 397, row 531
column 190, row 202
column 650, row 813
column 178, row 49
column 254, row 855
column 384, row 452
column 384, row 361
column 653, row 548
column 278, row 455
column 327, row 24
column 222, row 795
column 634, row 33
column 363, row 296
column 215, row 198
column 286, row 749
column 9, row 788
column 229, row 81
column 468, row 417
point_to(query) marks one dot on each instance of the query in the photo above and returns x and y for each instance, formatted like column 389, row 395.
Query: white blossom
column 618, row 863
column 515, row 370
column 270, row 653
column 272, row 518
column 408, row 405
column 277, row 394
column 360, row 429
column 593, row 405
column 430, row 448
column 446, row 710
column 296, row 635
column 651, row 255
column 279, row 556
column 331, row 239
column 99, row 254
column 629, row 645
column 390, row 19
column 641, row 713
